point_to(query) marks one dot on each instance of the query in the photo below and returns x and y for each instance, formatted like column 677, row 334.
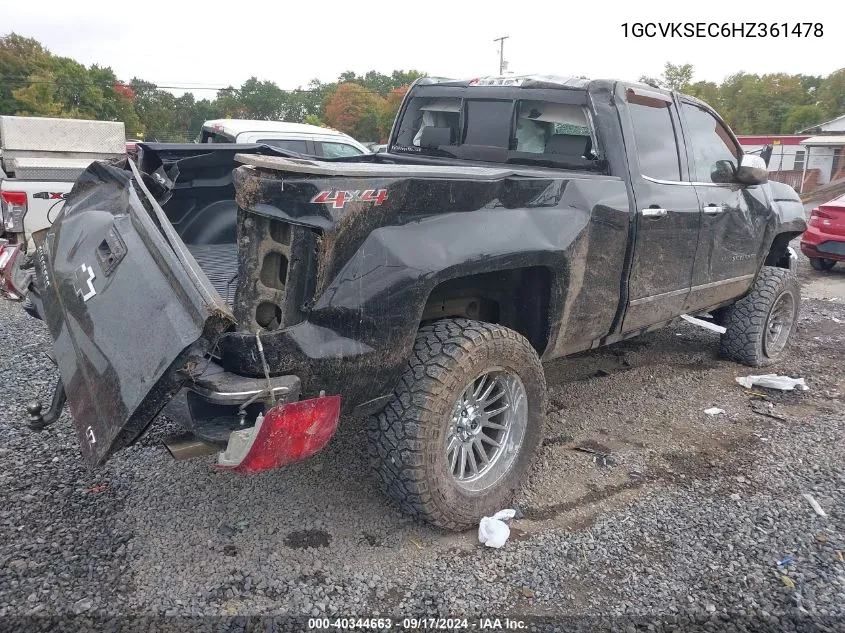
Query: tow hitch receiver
column 286, row 433
column 38, row 421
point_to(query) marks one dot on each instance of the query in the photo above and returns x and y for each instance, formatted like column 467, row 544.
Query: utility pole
column 501, row 41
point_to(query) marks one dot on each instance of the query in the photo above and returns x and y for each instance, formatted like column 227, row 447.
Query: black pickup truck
column 254, row 296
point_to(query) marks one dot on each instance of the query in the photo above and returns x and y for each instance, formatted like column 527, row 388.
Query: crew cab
column 301, row 138
column 511, row 221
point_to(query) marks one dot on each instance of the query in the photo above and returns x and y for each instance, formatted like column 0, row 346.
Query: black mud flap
column 131, row 314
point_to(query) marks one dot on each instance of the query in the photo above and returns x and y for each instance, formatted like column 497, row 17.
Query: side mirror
column 752, row 170
column 723, row 171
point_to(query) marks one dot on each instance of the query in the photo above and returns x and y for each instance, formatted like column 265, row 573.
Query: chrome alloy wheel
column 486, row 429
column 779, row 324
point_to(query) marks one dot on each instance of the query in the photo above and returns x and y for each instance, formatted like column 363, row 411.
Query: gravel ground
column 688, row 518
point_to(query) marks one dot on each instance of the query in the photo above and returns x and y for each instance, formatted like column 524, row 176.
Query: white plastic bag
column 773, row 381
column 493, row 531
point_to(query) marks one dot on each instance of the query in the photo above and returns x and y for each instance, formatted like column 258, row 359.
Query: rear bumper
column 816, row 243
column 260, row 422
column 215, row 402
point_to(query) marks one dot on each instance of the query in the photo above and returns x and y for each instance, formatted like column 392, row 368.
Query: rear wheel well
column 517, row 299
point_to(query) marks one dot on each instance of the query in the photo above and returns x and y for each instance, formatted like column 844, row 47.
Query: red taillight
column 821, row 217
column 288, row 433
column 10, row 274
column 14, row 197
column 13, row 207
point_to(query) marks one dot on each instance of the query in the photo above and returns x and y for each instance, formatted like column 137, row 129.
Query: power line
column 75, row 84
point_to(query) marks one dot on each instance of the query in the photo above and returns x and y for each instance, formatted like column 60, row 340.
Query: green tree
column 21, row 60
column 354, row 110
column 155, row 110
column 313, row 119
column 677, row 76
column 801, row 117
column 832, row 94
column 262, row 100
column 674, row 77
column 118, row 100
column 37, row 98
column 389, row 108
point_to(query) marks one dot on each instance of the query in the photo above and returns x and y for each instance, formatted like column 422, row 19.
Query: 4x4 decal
column 339, row 198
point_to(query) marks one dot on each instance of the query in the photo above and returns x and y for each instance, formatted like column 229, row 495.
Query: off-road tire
column 407, row 438
column 747, row 319
column 819, row 263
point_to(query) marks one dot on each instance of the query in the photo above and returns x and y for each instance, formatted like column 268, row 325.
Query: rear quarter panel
column 377, row 265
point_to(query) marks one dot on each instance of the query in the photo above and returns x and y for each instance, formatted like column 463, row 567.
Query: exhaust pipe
column 188, row 446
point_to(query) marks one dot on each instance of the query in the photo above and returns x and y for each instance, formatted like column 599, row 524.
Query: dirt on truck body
column 509, row 223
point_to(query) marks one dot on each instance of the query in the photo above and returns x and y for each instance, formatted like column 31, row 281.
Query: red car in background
column 824, row 240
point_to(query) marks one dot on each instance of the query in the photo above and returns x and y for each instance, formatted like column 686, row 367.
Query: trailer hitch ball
column 38, row 421
column 33, row 412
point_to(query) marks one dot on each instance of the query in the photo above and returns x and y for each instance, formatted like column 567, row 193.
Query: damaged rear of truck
column 253, row 296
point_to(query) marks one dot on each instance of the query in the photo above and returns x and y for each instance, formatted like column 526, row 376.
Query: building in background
column 804, row 162
column 788, row 152
column 824, row 157
column 834, row 126
column 789, row 156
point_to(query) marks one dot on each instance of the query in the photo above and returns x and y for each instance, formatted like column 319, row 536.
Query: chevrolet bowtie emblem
column 83, row 283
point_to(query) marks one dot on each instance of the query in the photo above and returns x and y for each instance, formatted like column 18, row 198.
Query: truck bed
column 220, row 264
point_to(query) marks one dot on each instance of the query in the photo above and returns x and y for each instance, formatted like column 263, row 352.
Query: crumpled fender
column 378, row 264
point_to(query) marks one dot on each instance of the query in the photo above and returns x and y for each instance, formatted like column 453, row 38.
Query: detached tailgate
column 127, row 307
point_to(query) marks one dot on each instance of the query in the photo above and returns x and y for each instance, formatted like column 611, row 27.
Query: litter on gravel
column 773, row 381
column 819, row 510
column 705, row 324
column 714, row 411
column 493, row 531
column 767, row 409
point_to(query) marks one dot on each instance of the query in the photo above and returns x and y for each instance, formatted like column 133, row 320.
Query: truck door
column 667, row 209
column 734, row 216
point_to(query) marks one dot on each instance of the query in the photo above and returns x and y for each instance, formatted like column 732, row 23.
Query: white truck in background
column 40, row 158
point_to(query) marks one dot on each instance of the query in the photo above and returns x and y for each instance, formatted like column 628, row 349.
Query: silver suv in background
column 302, row 138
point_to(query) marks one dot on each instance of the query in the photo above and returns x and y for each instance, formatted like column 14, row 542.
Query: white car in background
column 302, row 138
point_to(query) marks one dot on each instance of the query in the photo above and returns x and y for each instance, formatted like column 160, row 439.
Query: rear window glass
column 338, row 150
column 518, row 131
column 552, row 128
column 488, row 123
column 216, row 137
column 293, row 145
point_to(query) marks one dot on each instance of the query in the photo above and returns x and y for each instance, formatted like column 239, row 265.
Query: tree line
column 35, row 82
column 775, row 103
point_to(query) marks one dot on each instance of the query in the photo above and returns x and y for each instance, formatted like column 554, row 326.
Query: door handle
column 653, row 212
column 712, row 209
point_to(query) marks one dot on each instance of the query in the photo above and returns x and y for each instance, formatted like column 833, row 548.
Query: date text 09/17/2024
column 417, row 624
